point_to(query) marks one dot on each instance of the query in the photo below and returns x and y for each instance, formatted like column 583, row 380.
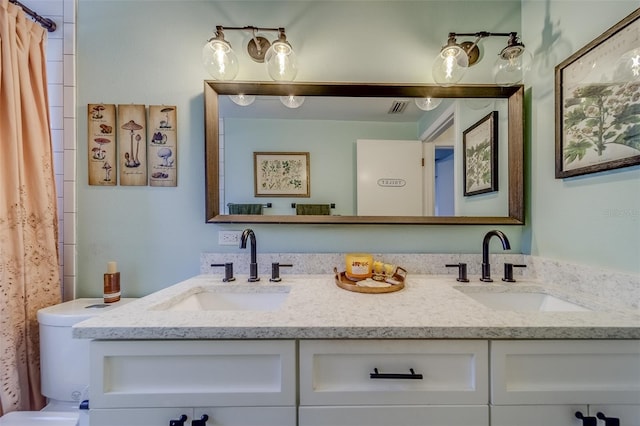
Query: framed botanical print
column 598, row 103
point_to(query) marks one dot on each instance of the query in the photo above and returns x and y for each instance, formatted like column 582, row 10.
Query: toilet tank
column 64, row 361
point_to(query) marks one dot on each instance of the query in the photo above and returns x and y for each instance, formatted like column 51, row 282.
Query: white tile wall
column 61, row 78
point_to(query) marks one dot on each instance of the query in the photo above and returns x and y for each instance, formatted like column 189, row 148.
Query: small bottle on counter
column 111, row 283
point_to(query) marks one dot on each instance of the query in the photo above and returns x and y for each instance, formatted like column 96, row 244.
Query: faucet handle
column 462, row 271
column 508, row 272
column 275, row 271
column 228, row 271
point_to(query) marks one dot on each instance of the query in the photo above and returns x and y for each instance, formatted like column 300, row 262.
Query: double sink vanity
column 304, row 351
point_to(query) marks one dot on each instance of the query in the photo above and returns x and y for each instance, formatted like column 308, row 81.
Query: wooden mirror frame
column 513, row 94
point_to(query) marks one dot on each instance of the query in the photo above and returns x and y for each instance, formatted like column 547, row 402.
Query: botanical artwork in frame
column 101, row 144
column 281, row 174
column 162, row 146
column 598, row 103
column 480, row 156
column 132, row 145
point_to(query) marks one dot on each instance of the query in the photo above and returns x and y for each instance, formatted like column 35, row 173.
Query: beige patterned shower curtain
column 29, row 271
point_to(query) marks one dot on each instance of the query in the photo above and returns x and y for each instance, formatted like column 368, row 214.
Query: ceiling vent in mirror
column 398, row 107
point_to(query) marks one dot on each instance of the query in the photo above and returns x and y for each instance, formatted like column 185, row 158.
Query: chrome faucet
column 486, row 267
column 253, row 266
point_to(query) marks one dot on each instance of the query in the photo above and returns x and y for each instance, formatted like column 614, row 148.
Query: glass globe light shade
column 219, row 60
column 627, row 68
column 450, row 65
column 427, row 104
column 242, row 100
column 509, row 70
column 281, row 61
column 292, row 101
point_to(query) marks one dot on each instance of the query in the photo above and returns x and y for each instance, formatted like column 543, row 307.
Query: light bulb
column 242, row 100
column 509, row 70
column 450, row 65
column 292, row 101
column 282, row 64
column 219, row 60
column 627, row 68
column 427, row 104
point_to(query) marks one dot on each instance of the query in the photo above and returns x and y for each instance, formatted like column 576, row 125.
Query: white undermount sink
column 523, row 301
column 231, row 298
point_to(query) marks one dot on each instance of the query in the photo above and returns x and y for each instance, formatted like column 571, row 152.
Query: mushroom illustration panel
column 101, row 144
column 132, row 153
column 162, row 146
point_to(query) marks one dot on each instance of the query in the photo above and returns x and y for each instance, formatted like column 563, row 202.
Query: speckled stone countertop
column 429, row 307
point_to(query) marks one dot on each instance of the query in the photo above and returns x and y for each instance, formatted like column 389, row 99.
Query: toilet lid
column 38, row 418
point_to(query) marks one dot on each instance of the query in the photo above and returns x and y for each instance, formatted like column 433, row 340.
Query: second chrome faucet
column 253, row 265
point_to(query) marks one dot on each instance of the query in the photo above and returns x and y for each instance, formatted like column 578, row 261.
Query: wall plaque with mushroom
column 132, row 150
column 162, row 146
column 101, row 142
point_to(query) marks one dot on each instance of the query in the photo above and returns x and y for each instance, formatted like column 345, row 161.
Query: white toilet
column 64, row 365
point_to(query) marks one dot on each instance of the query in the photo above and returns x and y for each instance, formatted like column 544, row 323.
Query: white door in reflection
column 389, row 181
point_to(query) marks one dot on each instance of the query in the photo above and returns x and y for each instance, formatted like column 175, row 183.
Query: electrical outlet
column 229, row 238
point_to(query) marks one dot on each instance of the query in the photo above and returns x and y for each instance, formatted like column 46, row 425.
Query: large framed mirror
column 234, row 134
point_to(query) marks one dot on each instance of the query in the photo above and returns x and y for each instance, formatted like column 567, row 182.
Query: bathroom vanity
column 306, row 352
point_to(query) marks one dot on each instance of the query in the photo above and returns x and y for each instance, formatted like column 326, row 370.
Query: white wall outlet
column 229, row 238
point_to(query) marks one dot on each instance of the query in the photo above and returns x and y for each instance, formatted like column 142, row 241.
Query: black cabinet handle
column 201, row 422
column 608, row 421
column 411, row 375
column 586, row 420
column 179, row 422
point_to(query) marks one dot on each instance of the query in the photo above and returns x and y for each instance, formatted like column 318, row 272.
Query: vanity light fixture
column 221, row 62
column 454, row 58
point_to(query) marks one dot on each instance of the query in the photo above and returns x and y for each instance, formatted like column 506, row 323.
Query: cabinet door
column 344, row 372
column 248, row 416
column 629, row 415
column 397, row 415
column 139, row 374
column 565, row 372
column 536, row 415
column 138, row 416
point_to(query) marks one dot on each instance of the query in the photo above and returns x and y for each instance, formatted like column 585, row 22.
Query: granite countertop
column 429, row 307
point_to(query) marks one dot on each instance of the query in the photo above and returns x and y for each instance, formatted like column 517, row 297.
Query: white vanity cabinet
column 546, row 382
column 235, row 383
column 393, row 382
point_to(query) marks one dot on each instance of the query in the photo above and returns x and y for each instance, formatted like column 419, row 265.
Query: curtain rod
column 47, row 23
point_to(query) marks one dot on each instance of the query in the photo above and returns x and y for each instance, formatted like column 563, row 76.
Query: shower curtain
column 29, row 268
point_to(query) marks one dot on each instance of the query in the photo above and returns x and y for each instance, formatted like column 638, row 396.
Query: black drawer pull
column 412, row 375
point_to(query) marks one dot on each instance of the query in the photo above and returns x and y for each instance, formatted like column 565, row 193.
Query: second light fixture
column 221, row 62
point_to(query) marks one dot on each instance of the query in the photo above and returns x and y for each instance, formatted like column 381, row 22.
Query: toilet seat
column 39, row 418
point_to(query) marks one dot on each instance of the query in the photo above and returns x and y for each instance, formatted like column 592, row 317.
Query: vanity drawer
column 565, row 372
column 140, row 374
column 342, row 372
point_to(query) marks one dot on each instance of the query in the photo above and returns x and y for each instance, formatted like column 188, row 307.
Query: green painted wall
column 149, row 53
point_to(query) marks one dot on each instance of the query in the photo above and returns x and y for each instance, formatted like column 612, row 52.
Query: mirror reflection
column 392, row 158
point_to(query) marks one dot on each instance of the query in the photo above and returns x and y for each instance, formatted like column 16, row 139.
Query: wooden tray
column 345, row 283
